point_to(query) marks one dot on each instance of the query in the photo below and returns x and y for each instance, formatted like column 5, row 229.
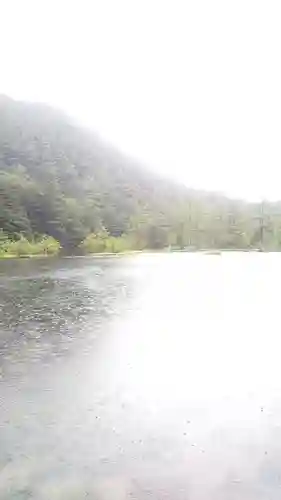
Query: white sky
column 191, row 87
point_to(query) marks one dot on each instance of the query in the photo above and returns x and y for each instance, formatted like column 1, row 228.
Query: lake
column 150, row 376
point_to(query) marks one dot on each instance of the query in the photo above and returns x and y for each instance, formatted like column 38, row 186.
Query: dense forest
column 61, row 183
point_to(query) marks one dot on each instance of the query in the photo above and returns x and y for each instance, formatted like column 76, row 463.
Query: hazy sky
column 191, row 87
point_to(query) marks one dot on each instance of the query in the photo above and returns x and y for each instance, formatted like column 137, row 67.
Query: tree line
column 61, row 181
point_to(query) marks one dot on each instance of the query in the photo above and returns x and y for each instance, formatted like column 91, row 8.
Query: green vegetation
column 62, row 181
column 104, row 242
column 22, row 247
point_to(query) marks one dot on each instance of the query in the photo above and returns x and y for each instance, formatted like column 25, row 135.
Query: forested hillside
column 60, row 180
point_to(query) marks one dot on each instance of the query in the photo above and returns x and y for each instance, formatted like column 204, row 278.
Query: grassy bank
column 103, row 243
column 100, row 243
column 22, row 247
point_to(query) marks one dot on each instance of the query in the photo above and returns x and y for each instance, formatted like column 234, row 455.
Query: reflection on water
column 149, row 376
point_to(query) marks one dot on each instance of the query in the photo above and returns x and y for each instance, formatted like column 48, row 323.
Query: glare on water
column 147, row 376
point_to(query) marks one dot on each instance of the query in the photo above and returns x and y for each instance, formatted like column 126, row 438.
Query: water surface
column 146, row 377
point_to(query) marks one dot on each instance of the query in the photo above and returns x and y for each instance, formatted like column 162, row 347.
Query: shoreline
column 8, row 256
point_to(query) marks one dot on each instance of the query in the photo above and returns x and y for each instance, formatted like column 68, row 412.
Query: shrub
column 44, row 245
column 103, row 242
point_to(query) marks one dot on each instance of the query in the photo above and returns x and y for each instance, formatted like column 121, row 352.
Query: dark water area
column 142, row 376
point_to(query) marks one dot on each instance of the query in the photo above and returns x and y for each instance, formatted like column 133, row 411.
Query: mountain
column 59, row 179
